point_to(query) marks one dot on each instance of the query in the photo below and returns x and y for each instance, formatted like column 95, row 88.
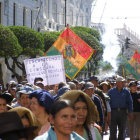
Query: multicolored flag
column 133, row 65
column 74, row 50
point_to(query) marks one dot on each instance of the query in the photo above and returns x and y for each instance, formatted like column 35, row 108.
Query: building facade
column 129, row 41
column 43, row 15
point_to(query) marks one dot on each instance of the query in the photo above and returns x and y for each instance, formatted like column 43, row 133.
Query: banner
column 74, row 50
column 50, row 68
column 133, row 65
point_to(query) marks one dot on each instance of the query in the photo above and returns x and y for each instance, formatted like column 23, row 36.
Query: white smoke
column 112, row 47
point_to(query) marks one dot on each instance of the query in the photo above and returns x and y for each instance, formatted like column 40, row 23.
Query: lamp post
column 65, row 13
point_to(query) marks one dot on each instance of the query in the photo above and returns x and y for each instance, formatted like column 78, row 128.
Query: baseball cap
column 89, row 85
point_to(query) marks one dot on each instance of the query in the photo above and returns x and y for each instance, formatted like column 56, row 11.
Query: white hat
column 120, row 79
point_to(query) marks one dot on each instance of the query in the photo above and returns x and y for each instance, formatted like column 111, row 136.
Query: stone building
column 129, row 41
column 43, row 15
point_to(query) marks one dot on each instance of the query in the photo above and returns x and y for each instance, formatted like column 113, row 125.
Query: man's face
column 120, row 84
column 95, row 83
column 89, row 91
column 24, row 100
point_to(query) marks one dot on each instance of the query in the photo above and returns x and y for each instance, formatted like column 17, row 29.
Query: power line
column 103, row 12
column 118, row 17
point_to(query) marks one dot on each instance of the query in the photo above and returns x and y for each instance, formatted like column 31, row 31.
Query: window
column 63, row 16
column 82, row 20
column 55, row 12
column 86, row 10
column 50, row 25
column 57, row 27
column 71, row 18
column 24, row 16
column 0, row 13
column 14, row 14
column 48, row 8
column 31, row 19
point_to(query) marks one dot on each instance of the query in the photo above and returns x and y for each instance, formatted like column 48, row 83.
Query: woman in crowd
column 135, row 122
column 11, row 127
column 63, row 120
column 41, row 102
column 105, row 86
column 86, row 113
column 28, row 120
column 5, row 101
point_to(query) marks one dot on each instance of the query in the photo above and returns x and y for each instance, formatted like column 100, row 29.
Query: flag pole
column 67, row 27
column 65, row 13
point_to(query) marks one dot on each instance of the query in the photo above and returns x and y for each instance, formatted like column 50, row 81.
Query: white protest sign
column 50, row 68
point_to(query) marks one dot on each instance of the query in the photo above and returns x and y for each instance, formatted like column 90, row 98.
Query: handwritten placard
column 50, row 68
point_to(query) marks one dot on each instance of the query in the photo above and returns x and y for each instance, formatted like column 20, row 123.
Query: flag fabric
column 74, row 50
column 133, row 65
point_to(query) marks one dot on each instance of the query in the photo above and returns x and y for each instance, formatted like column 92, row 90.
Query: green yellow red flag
column 74, row 50
column 133, row 65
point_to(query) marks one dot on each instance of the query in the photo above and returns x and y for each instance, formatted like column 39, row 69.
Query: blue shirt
column 121, row 99
column 51, row 135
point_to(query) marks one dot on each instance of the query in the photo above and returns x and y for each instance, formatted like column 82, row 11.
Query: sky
column 117, row 12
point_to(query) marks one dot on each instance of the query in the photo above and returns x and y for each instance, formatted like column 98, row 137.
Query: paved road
column 106, row 137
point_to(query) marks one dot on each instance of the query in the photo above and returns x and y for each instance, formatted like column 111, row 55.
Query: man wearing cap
column 89, row 90
column 99, row 92
column 23, row 97
column 121, row 103
column 40, row 84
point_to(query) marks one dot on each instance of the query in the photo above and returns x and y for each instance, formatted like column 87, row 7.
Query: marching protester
column 89, row 90
column 11, row 127
column 28, row 120
column 120, row 102
column 135, row 121
column 100, row 94
column 41, row 102
column 63, row 120
column 86, row 113
column 23, row 97
column 105, row 86
column 5, row 101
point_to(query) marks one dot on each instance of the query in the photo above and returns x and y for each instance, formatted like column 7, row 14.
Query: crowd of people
column 75, row 110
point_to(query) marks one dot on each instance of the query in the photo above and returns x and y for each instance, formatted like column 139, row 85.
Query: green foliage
column 91, row 31
column 105, row 66
column 49, row 39
column 9, row 45
column 31, row 41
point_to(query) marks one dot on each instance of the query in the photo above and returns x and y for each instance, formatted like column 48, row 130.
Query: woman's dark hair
column 82, row 99
column 14, row 135
column 59, row 105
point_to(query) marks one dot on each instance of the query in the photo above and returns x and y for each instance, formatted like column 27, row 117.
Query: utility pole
column 65, row 13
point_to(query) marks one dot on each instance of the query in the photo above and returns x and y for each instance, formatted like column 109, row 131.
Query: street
column 106, row 137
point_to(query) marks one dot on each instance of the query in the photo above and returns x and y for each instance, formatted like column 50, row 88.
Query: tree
column 91, row 31
column 9, row 46
column 31, row 41
column 49, row 39
column 32, row 44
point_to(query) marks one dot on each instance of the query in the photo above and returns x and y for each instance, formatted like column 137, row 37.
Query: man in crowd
column 120, row 102
column 23, row 97
column 89, row 90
